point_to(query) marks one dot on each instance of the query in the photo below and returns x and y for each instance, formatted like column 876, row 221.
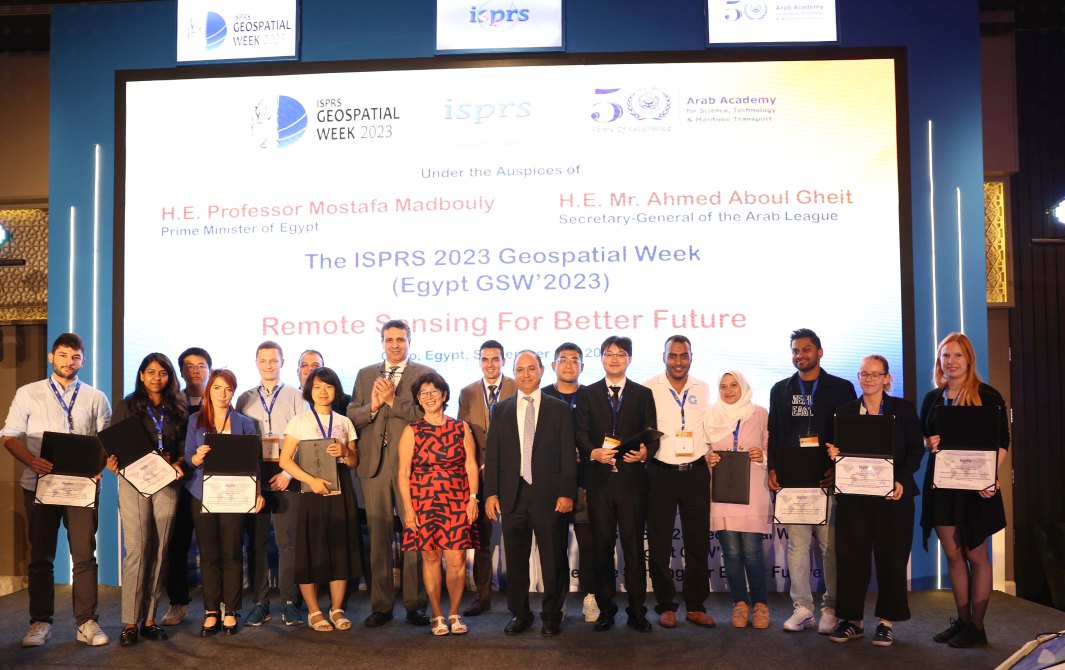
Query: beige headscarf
column 721, row 417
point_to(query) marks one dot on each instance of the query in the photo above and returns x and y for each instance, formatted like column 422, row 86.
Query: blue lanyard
column 321, row 427
column 614, row 409
column 490, row 402
column 736, row 436
column 809, row 407
column 270, row 410
column 229, row 410
column 572, row 400
column 158, row 426
column 880, row 412
column 680, row 401
column 73, row 399
column 946, row 398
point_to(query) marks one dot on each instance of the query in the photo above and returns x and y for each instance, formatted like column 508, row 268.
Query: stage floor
column 400, row 646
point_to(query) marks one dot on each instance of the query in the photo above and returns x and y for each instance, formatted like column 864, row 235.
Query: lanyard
column 158, row 426
column 615, row 407
column 946, row 398
column 229, row 410
column 68, row 409
column 880, row 412
column 680, row 401
column 322, row 427
column 736, row 436
column 270, row 410
column 572, row 399
column 490, row 401
column 809, row 407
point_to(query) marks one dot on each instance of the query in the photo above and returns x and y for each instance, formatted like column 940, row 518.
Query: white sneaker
column 175, row 615
column 828, row 622
column 591, row 609
column 799, row 619
column 90, row 633
column 38, row 633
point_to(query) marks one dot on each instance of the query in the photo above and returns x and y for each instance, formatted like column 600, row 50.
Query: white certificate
column 70, row 490
column 801, row 505
column 272, row 449
column 229, row 493
column 965, row 470
column 865, row 475
column 149, row 473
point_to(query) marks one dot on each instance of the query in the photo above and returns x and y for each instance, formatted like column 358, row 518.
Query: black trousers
column 582, row 531
column 177, row 552
column 619, row 512
column 221, row 540
column 549, row 527
column 482, row 556
column 872, row 528
column 81, row 523
column 688, row 491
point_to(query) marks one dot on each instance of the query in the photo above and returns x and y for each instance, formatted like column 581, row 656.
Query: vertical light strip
column 961, row 284
column 96, row 270
column 70, row 287
column 935, row 312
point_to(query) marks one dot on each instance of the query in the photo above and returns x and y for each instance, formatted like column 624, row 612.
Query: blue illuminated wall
column 89, row 43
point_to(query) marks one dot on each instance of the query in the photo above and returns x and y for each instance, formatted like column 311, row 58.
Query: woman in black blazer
column 881, row 528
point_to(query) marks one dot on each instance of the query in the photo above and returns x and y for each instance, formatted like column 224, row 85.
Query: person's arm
column 650, row 420
column 491, row 467
column 773, row 427
column 406, row 452
column 567, row 489
column 359, row 411
column 471, row 470
column 103, row 413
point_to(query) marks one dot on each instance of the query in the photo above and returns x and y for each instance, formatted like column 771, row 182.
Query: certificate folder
column 76, row 455
column 799, row 467
column 868, row 435
column 232, row 455
column 316, row 462
column 732, row 478
column 126, row 440
column 969, row 428
column 645, row 436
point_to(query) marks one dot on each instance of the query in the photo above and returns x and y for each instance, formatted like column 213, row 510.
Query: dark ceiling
column 25, row 25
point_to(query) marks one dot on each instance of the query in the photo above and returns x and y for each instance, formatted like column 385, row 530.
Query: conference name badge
column 612, row 443
column 809, row 441
column 683, row 443
column 272, row 449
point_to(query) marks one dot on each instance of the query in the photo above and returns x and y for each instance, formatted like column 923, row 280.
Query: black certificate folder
column 232, row 454
column 315, row 461
column 126, row 440
column 968, row 427
column 801, row 467
column 865, row 435
column 77, row 455
column 732, row 478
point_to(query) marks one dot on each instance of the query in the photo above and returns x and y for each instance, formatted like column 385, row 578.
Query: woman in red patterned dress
column 437, row 481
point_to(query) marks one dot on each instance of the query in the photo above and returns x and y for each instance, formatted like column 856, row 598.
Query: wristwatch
column 473, row 496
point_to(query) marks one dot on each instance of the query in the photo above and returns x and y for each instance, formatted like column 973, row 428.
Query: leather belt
column 698, row 463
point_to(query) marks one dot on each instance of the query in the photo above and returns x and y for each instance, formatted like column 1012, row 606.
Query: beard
column 64, row 375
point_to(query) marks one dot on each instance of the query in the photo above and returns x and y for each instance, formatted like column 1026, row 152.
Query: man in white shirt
column 63, row 404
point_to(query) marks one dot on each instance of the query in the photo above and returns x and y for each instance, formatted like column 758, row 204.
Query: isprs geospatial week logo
column 278, row 121
column 213, row 29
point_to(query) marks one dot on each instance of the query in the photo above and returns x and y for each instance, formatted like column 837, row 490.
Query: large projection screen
column 530, row 201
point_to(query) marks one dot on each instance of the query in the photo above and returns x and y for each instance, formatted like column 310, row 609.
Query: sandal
column 438, row 627
column 321, row 625
column 457, row 626
column 340, row 622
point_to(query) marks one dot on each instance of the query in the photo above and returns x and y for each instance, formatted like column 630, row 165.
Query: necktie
column 392, row 372
column 491, row 403
column 527, row 441
column 614, row 399
column 391, row 378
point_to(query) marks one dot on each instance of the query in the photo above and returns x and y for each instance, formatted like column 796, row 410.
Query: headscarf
column 721, row 417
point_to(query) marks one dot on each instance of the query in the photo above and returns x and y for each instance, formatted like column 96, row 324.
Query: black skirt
column 329, row 538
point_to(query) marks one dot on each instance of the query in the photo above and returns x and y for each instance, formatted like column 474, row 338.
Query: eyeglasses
column 616, row 356
column 201, row 367
column 875, row 376
column 430, row 393
column 565, row 360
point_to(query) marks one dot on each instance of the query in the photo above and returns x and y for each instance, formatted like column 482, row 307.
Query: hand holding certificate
column 231, row 474
column 76, row 462
column 801, row 499
column 315, row 460
column 967, row 457
column 138, row 461
column 865, row 465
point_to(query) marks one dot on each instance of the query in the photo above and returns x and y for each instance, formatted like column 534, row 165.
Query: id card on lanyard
column 683, row 442
column 67, row 409
column 271, row 444
column 809, row 438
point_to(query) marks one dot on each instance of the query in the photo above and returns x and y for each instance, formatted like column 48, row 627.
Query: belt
column 698, row 463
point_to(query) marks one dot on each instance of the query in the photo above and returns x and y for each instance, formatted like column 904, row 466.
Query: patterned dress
column 439, row 488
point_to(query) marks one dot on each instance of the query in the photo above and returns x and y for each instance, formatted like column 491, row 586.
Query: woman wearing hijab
column 734, row 423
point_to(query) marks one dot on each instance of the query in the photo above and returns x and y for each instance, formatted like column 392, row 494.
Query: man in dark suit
column 475, row 407
column 530, row 477
column 381, row 407
column 608, row 412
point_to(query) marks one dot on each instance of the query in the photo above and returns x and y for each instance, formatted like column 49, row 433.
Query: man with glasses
column 679, row 479
column 608, row 412
column 800, row 408
column 476, row 402
column 568, row 366
column 310, row 361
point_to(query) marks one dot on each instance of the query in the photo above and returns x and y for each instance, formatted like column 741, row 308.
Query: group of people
column 615, row 458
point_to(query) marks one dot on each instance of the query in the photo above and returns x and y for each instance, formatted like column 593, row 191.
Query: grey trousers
column 284, row 508
column 146, row 525
column 383, row 503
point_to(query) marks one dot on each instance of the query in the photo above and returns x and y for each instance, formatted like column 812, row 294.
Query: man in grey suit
column 475, row 408
column 381, row 407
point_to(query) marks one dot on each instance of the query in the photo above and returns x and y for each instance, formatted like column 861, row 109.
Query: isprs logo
column 213, row 28
column 278, row 121
column 498, row 15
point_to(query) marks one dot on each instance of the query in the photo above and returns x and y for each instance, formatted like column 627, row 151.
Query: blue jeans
column 800, row 537
column 743, row 553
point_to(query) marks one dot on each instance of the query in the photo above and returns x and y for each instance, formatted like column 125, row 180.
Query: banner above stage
column 771, row 21
column 237, row 30
column 499, row 25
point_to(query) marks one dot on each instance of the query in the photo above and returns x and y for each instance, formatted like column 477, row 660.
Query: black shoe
column 128, row 638
column 956, row 626
column 235, row 628
column 477, row 608
column 551, row 628
column 604, row 622
column 970, row 637
column 846, row 631
column 884, row 637
column 208, row 631
column 378, row 619
column 639, row 623
column 518, row 624
column 153, row 632
column 417, row 618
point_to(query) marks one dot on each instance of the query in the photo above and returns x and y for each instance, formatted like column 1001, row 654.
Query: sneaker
column 884, row 636
column 799, row 619
column 739, row 614
column 175, row 615
column 760, row 618
column 845, row 631
column 591, row 609
column 956, row 626
column 38, row 633
column 828, row 622
column 258, row 615
column 970, row 636
column 90, row 633
column 290, row 615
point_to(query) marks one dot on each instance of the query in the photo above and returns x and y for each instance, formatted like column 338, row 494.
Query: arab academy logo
column 278, row 121
column 649, row 103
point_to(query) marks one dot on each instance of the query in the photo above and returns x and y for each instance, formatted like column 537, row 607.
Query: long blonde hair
column 969, row 393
